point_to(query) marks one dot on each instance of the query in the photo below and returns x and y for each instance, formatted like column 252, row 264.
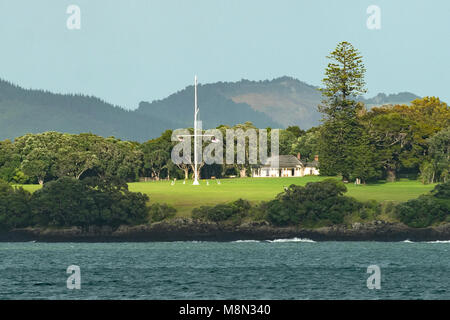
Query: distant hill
column 32, row 111
column 276, row 103
column 398, row 98
column 280, row 102
column 215, row 108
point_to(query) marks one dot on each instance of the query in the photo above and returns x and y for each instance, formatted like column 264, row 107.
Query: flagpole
column 196, row 183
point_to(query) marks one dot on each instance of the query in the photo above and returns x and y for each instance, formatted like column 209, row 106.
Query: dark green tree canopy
column 344, row 80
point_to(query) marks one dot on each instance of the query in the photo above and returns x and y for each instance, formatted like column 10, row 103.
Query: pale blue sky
column 129, row 51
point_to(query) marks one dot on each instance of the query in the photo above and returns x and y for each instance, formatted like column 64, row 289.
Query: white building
column 289, row 166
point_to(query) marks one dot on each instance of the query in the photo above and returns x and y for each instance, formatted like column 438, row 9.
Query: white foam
column 293, row 240
column 437, row 241
column 245, row 241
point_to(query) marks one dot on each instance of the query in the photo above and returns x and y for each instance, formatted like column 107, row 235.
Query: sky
column 127, row 51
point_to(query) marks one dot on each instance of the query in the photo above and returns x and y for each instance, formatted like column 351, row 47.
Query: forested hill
column 280, row 102
column 276, row 103
column 33, row 111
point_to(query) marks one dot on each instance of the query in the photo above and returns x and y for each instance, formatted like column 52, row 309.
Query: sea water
column 283, row 269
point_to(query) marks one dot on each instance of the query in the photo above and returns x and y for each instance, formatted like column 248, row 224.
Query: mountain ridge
column 275, row 103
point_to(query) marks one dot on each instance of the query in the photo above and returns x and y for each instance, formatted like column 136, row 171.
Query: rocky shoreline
column 189, row 230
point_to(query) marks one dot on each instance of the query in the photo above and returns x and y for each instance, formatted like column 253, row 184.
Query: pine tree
column 344, row 146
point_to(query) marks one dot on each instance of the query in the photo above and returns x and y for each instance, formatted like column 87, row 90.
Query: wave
column 245, row 241
column 437, row 241
column 292, row 240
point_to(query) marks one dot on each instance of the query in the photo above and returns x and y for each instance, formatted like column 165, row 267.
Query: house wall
column 274, row 172
column 311, row 171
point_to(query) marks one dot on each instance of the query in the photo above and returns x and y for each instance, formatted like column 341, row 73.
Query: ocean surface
column 284, row 269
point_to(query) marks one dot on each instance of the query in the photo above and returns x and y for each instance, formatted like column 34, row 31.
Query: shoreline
column 188, row 230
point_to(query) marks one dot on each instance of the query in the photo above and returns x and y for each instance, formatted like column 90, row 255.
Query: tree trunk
column 80, row 174
column 390, row 175
column 242, row 172
column 186, row 173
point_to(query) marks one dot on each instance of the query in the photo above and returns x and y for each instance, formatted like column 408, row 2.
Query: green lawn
column 186, row 197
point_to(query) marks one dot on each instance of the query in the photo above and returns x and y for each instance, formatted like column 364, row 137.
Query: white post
column 195, row 136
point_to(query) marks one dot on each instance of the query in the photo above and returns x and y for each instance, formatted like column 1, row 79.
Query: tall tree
column 342, row 140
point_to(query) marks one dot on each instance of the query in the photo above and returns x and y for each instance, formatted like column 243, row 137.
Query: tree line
column 383, row 143
column 362, row 144
column 48, row 156
column 355, row 142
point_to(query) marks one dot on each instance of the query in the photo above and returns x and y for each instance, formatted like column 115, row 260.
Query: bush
column 160, row 212
column 369, row 210
column 428, row 209
column 235, row 211
column 71, row 202
column 442, row 190
column 422, row 212
column 14, row 207
column 317, row 203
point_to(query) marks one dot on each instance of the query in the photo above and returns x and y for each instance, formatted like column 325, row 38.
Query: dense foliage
column 411, row 139
column 71, row 202
column 160, row 212
column 427, row 209
column 15, row 209
column 316, row 204
column 383, row 142
column 234, row 211
column 344, row 144
column 308, row 205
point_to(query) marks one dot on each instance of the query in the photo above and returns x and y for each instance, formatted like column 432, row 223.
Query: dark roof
column 285, row 161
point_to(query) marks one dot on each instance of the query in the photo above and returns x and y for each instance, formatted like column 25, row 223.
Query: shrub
column 316, row 203
column 222, row 212
column 71, row 202
column 369, row 209
column 160, row 212
column 14, row 207
column 422, row 212
column 427, row 209
column 442, row 190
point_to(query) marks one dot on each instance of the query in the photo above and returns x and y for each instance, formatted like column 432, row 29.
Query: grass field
column 186, row 197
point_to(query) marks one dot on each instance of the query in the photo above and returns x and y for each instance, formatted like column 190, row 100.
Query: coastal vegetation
column 427, row 209
column 383, row 162
column 69, row 202
column 316, row 203
column 184, row 198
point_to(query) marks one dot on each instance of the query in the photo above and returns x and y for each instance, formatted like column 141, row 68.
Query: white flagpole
column 196, row 183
